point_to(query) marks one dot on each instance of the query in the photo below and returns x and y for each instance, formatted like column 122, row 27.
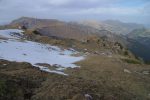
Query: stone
column 146, row 72
column 126, row 71
column 88, row 97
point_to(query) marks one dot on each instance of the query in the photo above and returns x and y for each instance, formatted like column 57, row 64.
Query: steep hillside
column 139, row 43
column 134, row 36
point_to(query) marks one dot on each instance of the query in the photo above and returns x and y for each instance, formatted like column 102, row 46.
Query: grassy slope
column 111, row 71
column 101, row 77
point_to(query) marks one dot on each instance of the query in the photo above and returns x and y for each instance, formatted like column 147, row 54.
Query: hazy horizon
column 135, row 11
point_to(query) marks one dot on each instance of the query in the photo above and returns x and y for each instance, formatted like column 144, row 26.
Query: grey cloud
column 80, row 4
column 70, row 9
column 146, row 9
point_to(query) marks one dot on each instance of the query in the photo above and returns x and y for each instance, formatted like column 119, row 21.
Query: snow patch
column 14, row 49
column 4, row 64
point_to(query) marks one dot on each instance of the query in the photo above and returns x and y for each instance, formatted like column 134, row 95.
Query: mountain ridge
column 52, row 27
column 73, row 30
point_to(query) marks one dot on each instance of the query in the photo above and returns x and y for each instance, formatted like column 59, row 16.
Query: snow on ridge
column 32, row 52
column 11, row 33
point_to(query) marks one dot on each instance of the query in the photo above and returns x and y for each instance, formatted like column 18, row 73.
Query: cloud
column 109, row 10
column 146, row 9
column 75, row 9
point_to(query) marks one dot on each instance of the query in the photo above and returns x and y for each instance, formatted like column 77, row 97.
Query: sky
column 136, row 11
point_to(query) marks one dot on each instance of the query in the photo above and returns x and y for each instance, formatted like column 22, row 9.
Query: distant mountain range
column 139, row 33
column 113, row 26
